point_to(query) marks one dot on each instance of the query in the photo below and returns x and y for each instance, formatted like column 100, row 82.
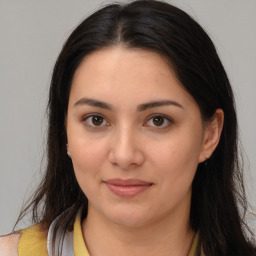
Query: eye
column 160, row 121
column 95, row 121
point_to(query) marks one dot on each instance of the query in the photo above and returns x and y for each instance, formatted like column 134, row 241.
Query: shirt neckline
column 80, row 248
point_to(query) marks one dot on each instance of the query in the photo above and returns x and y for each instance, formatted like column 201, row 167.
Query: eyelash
column 88, row 117
column 166, row 121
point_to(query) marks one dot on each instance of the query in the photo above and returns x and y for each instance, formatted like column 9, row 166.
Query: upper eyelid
column 84, row 117
column 161, row 115
column 168, row 118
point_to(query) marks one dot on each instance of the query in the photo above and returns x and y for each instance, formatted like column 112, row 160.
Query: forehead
column 123, row 74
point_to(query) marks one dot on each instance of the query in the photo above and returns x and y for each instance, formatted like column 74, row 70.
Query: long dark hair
column 218, row 197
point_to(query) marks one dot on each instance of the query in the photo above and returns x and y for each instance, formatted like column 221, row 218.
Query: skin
column 159, row 145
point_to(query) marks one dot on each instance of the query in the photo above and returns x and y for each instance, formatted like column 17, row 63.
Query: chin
column 129, row 218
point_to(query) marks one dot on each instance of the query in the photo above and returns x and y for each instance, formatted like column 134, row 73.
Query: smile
column 127, row 188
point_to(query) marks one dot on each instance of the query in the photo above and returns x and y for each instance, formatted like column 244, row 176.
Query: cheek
column 86, row 156
column 85, row 149
column 177, row 153
column 86, row 166
column 87, row 159
column 177, row 159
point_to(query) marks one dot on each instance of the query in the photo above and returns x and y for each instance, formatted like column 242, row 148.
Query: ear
column 212, row 133
column 68, row 150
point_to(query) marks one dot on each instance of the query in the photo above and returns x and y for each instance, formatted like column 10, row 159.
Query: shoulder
column 29, row 241
column 33, row 241
column 9, row 244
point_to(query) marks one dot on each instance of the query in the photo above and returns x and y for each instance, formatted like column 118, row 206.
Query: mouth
column 128, row 187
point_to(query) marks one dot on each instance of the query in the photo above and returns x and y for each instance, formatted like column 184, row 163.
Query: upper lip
column 128, row 182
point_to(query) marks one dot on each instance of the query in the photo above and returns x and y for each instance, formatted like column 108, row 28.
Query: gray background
column 32, row 33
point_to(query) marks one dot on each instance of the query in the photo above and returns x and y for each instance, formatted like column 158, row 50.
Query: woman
column 142, row 143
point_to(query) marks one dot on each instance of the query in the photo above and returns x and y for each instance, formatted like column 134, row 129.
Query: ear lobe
column 68, row 151
column 212, row 135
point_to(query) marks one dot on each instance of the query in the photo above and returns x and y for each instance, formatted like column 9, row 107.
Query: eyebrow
column 160, row 103
column 93, row 103
column 141, row 107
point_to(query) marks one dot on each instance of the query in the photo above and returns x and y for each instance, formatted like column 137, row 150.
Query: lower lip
column 127, row 191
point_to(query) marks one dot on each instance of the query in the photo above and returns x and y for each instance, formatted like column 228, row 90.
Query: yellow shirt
column 33, row 241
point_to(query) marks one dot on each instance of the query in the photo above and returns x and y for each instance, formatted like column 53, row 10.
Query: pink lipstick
column 127, row 188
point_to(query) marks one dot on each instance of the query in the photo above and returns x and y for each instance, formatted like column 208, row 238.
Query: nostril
column 125, row 159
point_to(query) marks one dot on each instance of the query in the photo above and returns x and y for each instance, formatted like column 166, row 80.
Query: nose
column 125, row 149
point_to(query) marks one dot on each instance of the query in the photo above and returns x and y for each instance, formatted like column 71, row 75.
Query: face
column 135, row 137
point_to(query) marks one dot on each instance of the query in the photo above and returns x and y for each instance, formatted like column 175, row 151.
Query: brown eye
column 95, row 121
column 158, row 121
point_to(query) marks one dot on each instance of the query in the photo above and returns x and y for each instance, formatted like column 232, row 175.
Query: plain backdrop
column 32, row 33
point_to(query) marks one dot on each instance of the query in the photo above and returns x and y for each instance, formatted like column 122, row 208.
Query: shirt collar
column 81, row 250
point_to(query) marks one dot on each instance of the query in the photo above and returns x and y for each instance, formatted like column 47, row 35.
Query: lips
column 127, row 188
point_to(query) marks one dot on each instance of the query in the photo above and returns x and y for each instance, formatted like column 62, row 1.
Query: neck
column 170, row 236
